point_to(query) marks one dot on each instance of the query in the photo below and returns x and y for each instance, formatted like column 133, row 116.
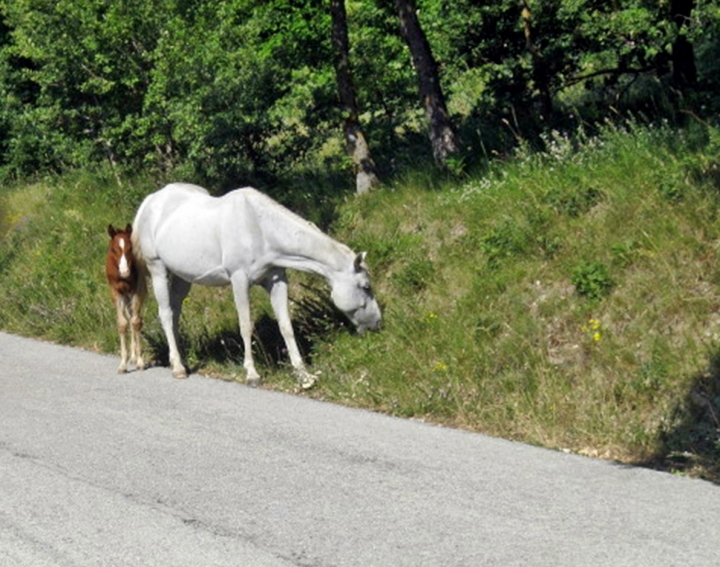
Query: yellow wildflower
column 593, row 329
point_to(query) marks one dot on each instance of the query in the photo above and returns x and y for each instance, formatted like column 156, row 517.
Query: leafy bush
column 592, row 280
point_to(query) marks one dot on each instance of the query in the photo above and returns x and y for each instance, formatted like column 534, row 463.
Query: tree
column 86, row 66
column 441, row 132
column 684, row 70
column 357, row 146
column 244, row 91
column 541, row 73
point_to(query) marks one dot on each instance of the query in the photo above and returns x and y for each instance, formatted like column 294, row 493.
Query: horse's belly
column 194, row 264
column 215, row 277
column 199, row 272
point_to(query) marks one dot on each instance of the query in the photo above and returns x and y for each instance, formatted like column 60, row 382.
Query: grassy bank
column 569, row 299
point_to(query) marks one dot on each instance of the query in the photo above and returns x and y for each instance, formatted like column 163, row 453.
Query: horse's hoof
column 179, row 374
column 253, row 382
column 305, row 379
column 307, row 383
column 122, row 370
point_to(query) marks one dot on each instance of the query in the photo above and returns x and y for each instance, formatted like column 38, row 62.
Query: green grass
column 569, row 299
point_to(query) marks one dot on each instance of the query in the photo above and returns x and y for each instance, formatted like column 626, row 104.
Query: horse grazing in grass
column 127, row 284
column 244, row 238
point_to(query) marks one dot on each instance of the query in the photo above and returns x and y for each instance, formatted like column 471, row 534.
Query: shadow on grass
column 315, row 319
column 690, row 442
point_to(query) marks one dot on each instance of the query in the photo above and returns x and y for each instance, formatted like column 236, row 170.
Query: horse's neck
column 302, row 246
column 310, row 250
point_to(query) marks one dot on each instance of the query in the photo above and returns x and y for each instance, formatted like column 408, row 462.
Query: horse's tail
column 142, row 271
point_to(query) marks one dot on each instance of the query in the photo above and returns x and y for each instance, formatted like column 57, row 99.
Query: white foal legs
column 128, row 316
column 122, row 324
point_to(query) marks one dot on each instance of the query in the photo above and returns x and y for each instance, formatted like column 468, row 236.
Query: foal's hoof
column 253, row 382
column 122, row 369
column 180, row 374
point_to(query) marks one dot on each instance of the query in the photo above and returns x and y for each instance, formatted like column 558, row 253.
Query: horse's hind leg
column 179, row 290
column 161, row 287
column 241, row 293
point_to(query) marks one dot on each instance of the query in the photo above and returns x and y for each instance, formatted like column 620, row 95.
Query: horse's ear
column 360, row 262
column 111, row 231
column 128, row 228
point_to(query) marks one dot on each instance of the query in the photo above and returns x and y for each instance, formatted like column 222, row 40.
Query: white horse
column 184, row 236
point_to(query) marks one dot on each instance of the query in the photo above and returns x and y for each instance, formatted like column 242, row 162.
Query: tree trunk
column 442, row 135
column 357, row 147
column 540, row 71
column 684, row 71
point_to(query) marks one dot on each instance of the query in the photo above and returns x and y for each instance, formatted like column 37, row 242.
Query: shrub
column 592, row 280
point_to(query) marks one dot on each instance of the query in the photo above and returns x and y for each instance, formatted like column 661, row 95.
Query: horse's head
column 120, row 254
column 352, row 294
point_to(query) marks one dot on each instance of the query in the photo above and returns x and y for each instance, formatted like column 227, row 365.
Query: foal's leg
column 241, row 293
column 135, row 328
column 122, row 324
column 161, row 287
column 277, row 286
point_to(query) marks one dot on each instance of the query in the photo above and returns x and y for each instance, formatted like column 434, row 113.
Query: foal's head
column 120, row 254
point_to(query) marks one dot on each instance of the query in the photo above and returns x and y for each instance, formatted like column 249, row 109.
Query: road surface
column 141, row 470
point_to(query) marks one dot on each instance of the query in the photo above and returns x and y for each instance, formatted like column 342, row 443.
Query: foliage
column 592, row 280
column 232, row 92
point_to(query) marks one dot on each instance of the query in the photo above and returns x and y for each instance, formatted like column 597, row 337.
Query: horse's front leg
column 241, row 293
column 277, row 286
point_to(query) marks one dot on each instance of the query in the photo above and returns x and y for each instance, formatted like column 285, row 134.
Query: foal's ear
column 360, row 262
column 128, row 228
column 111, row 231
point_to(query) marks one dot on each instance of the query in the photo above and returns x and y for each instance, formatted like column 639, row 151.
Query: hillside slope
column 569, row 299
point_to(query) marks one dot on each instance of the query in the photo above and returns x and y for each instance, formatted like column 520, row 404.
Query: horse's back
column 183, row 188
column 161, row 204
column 185, row 229
column 172, row 196
column 198, row 236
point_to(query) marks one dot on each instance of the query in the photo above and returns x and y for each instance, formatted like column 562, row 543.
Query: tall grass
column 52, row 258
column 567, row 298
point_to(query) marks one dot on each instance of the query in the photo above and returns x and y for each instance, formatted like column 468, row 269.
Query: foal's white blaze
column 123, row 265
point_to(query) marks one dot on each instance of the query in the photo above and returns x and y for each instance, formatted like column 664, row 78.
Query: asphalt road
column 141, row 470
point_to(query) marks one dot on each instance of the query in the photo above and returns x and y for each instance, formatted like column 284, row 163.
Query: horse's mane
column 286, row 213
